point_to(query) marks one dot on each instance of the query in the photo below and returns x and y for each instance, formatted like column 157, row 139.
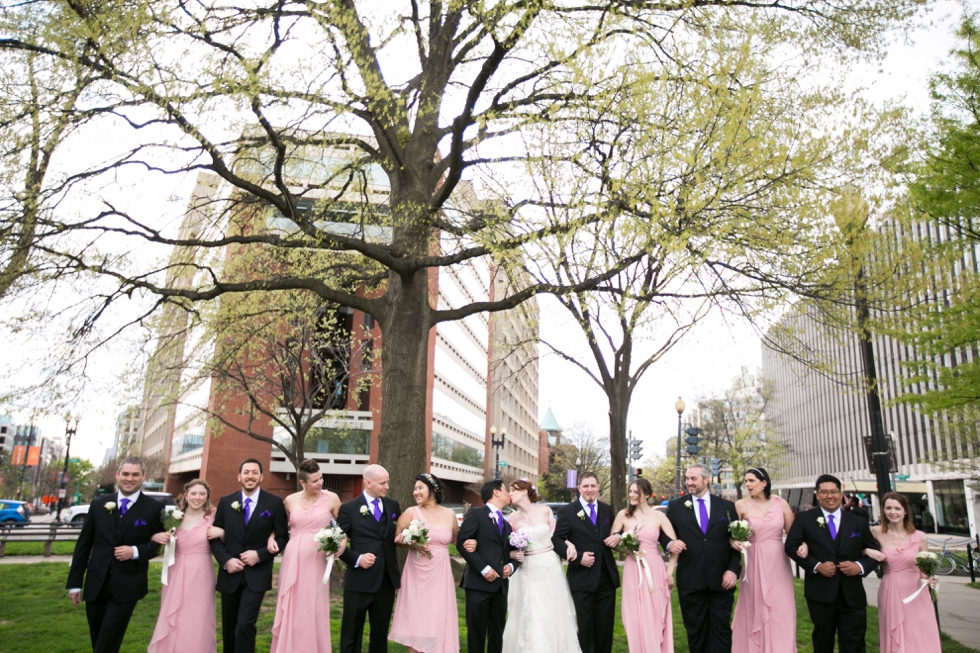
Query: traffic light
column 639, row 472
column 635, row 449
column 715, row 467
column 692, row 440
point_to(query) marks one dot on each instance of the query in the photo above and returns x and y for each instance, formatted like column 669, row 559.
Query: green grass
column 37, row 548
column 975, row 586
column 37, row 616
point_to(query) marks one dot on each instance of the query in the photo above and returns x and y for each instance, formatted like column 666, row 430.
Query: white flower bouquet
column 928, row 564
column 740, row 531
column 329, row 540
column 171, row 522
column 417, row 535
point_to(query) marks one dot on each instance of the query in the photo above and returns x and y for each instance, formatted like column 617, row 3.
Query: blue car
column 12, row 512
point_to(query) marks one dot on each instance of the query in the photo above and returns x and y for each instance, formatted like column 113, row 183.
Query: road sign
column 901, row 477
column 61, row 493
column 74, row 460
column 502, row 463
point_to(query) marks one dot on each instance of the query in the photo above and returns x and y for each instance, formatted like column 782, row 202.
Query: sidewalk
column 958, row 616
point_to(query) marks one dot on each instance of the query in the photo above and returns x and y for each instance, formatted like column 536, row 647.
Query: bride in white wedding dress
column 540, row 612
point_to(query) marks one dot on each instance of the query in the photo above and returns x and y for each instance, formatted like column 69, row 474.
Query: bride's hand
column 570, row 551
column 517, row 555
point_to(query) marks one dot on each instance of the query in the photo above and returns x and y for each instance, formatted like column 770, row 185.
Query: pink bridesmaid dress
column 187, row 620
column 765, row 615
column 425, row 612
column 302, row 621
column 905, row 627
column 646, row 613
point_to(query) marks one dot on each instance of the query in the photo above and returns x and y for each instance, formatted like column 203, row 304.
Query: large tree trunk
column 405, row 324
column 618, row 395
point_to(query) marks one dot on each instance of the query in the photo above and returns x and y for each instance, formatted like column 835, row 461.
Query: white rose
column 364, row 510
column 821, row 521
column 688, row 504
column 581, row 514
column 178, row 514
column 110, row 506
column 235, row 505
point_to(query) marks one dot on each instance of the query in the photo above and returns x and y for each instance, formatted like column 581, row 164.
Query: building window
column 456, row 452
column 350, row 441
column 951, row 514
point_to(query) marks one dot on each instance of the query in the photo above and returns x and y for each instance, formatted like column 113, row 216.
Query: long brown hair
column 643, row 487
column 182, row 501
column 907, row 522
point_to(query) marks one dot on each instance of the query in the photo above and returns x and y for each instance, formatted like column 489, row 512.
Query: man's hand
column 366, row 561
column 123, row 553
column 507, row 571
column 234, row 566
column 492, row 575
column 849, row 568
column 250, row 558
column 728, row 580
column 588, row 559
column 470, row 546
column 676, row 546
column 827, row 569
column 76, row 598
column 613, row 540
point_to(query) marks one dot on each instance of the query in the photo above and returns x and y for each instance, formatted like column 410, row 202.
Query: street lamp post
column 497, row 445
column 679, row 406
column 69, row 432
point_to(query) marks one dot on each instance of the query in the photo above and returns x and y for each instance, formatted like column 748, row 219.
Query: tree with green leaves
column 426, row 97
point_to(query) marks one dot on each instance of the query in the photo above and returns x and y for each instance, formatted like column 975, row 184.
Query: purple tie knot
column 248, row 508
column 832, row 527
column 592, row 516
column 377, row 510
column 703, row 514
column 124, row 506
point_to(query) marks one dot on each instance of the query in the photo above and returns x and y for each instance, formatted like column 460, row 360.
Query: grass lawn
column 35, row 615
column 37, row 548
column 975, row 586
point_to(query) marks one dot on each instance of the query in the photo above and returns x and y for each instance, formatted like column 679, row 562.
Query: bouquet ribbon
column 644, row 569
column 326, row 572
column 169, row 557
column 745, row 562
column 925, row 583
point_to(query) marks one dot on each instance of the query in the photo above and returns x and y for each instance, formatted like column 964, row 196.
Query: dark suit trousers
column 707, row 616
column 108, row 619
column 239, row 613
column 596, row 616
column 838, row 618
column 360, row 605
column 486, row 614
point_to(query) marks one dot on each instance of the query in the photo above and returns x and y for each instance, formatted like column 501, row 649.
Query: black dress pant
column 108, row 619
column 596, row 616
column 486, row 614
column 361, row 606
column 707, row 619
column 848, row 623
column 239, row 613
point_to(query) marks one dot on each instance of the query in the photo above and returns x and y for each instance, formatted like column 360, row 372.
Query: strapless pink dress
column 646, row 615
column 302, row 621
column 187, row 619
column 765, row 615
column 905, row 627
column 426, row 618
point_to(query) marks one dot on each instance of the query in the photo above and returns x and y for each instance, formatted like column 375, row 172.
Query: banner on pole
column 572, row 481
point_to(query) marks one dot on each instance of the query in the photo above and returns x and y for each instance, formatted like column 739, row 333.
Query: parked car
column 76, row 514
column 13, row 512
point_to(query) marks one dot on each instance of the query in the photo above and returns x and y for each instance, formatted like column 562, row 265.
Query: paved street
column 958, row 615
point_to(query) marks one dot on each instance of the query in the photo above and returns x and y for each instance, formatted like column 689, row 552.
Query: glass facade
column 350, row 441
column 951, row 514
column 456, row 452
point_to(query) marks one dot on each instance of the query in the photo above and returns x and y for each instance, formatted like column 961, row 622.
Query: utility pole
column 62, row 491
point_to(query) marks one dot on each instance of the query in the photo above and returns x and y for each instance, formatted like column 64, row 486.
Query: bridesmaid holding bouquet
column 187, row 623
column 302, row 621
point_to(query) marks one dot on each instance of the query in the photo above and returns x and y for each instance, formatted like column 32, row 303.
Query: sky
column 706, row 361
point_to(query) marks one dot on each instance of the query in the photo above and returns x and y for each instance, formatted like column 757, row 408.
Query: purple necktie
column 248, row 508
column 703, row 512
column 500, row 521
column 123, row 506
column 592, row 513
column 377, row 510
column 831, row 527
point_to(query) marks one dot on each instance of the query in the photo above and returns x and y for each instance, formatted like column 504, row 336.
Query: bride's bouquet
column 928, row 564
column 171, row 521
column 519, row 540
column 740, row 531
column 329, row 539
column 417, row 535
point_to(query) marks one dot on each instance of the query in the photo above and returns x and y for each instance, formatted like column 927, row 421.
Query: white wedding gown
column 540, row 612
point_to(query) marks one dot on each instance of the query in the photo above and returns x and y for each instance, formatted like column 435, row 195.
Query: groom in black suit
column 592, row 573
column 249, row 517
column 372, row 563
column 834, row 566
column 487, row 569
column 112, row 556
column 707, row 567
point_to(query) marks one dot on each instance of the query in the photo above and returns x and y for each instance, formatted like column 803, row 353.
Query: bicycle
column 949, row 559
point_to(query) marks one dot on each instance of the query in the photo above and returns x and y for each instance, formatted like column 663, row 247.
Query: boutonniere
column 689, row 505
column 364, row 510
column 110, row 507
column 236, row 506
column 581, row 515
column 821, row 522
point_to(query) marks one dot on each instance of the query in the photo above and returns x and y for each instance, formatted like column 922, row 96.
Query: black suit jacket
column 365, row 535
column 853, row 537
column 268, row 517
column 708, row 555
column 102, row 532
column 492, row 548
column 578, row 530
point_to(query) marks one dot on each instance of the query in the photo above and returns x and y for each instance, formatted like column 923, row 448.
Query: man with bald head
column 372, row 563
